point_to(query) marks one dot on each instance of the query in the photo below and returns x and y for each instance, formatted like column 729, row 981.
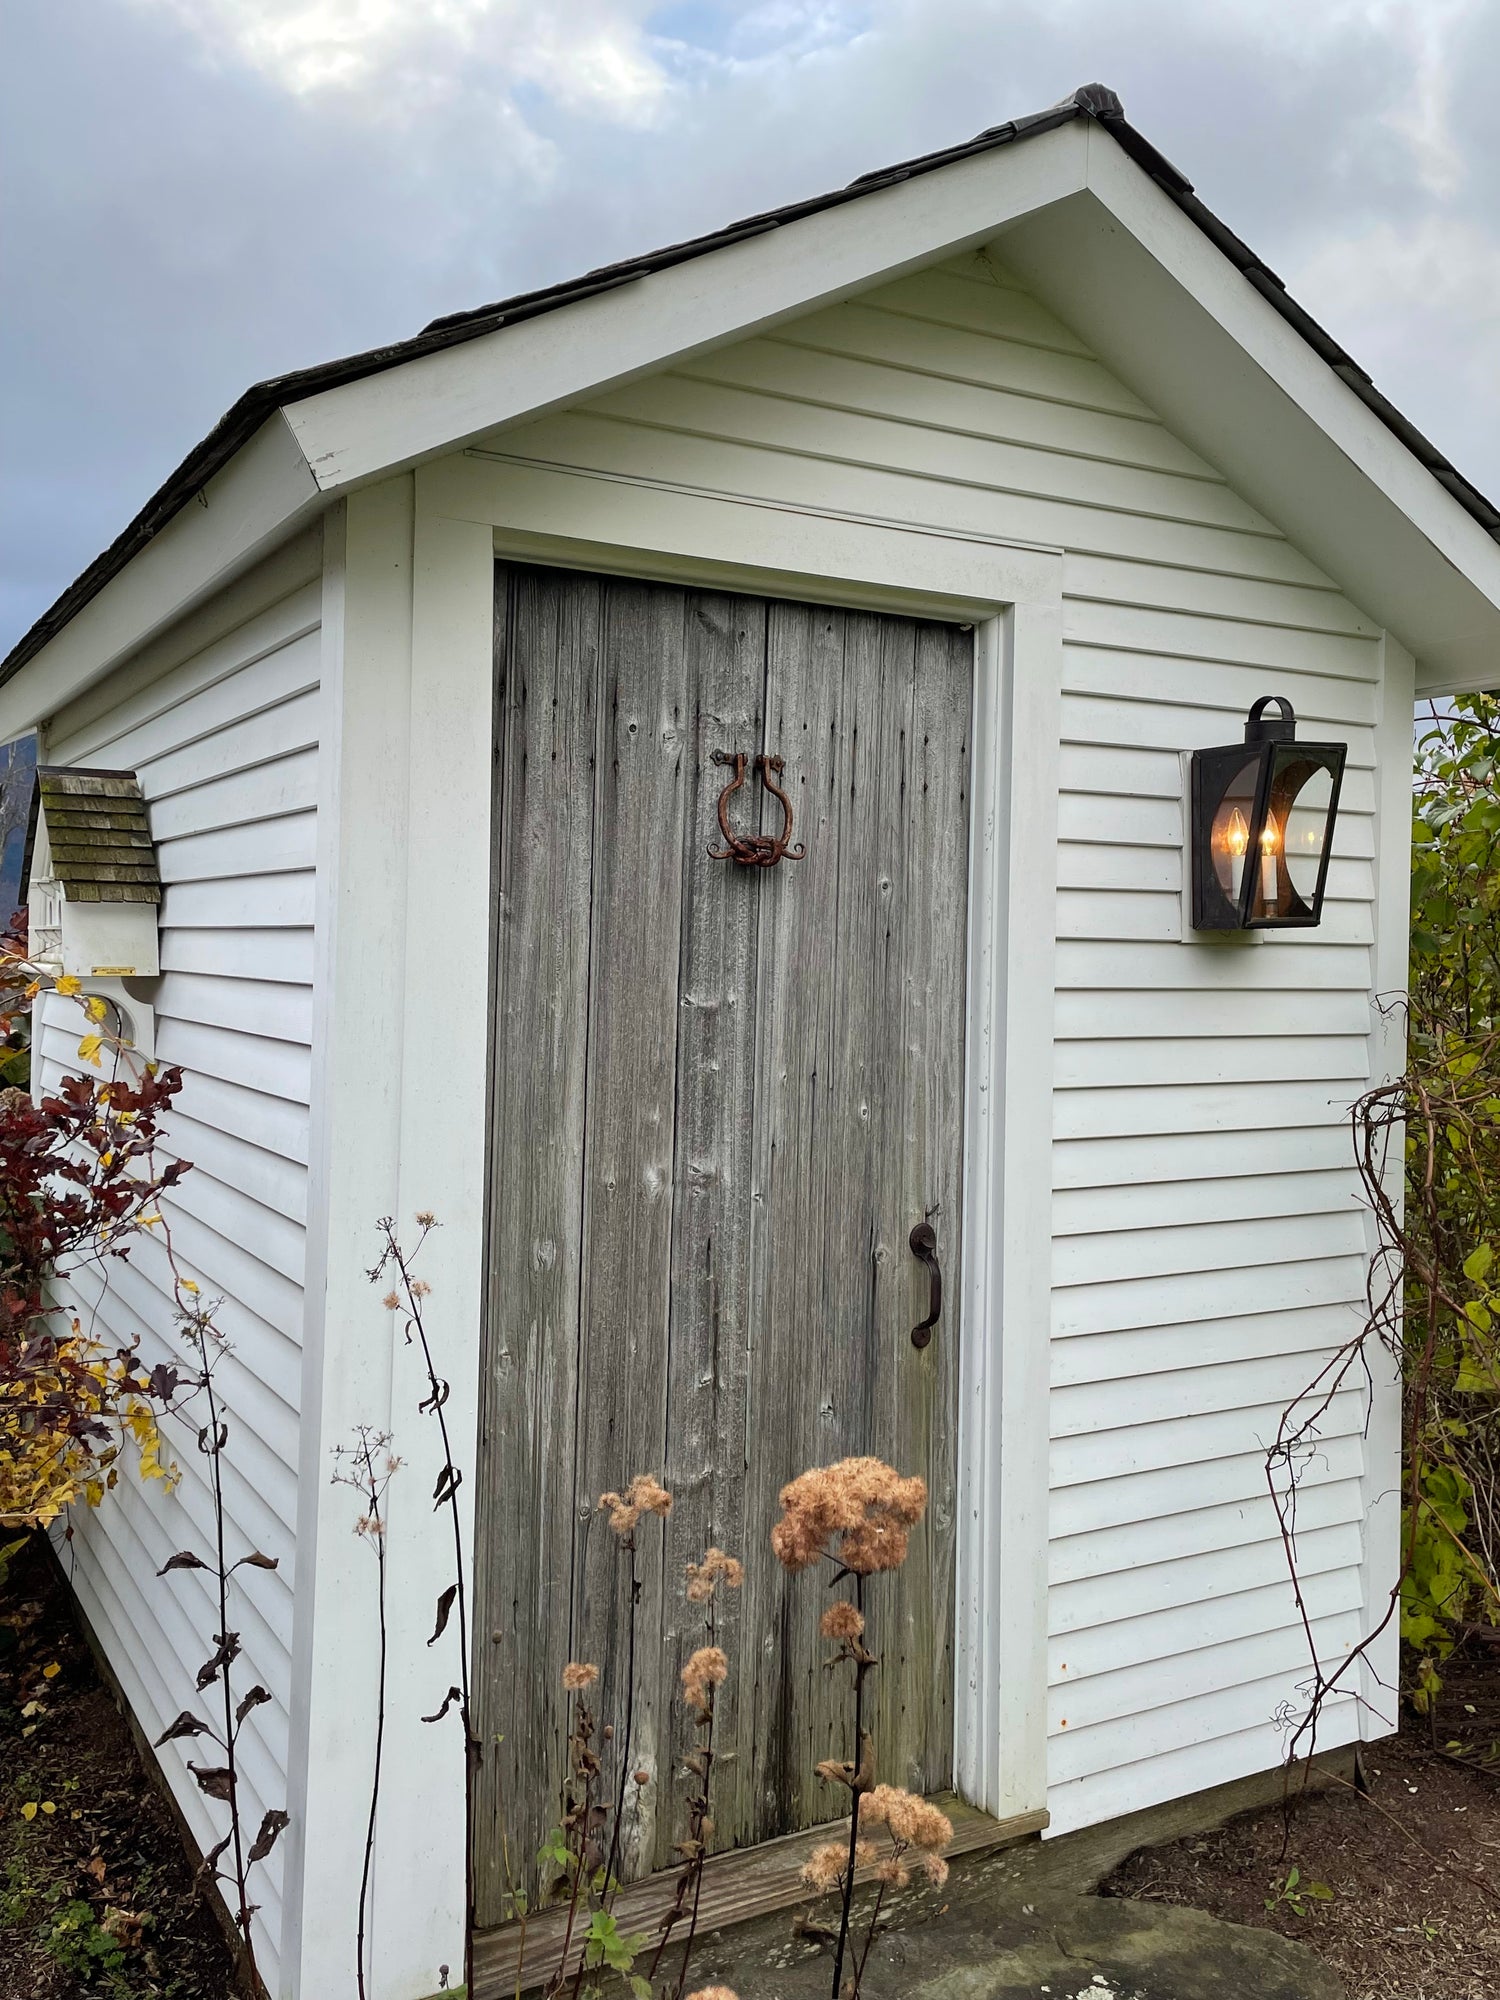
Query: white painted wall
column 1209, row 1247
column 220, row 720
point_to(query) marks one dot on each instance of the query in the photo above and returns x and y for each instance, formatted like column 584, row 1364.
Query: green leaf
column 1477, row 1263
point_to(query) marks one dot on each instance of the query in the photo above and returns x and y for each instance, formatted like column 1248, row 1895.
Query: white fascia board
column 253, row 504
column 1184, row 328
column 443, row 401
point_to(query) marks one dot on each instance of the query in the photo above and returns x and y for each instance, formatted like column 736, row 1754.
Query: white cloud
column 234, row 187
column 582, row 53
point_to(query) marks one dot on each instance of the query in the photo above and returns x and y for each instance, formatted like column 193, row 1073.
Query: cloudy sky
column 199, row 193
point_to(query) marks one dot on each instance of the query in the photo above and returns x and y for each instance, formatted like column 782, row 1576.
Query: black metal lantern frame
column 1261, row 825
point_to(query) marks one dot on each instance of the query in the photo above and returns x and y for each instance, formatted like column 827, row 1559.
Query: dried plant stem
column 697, row 1832
column 862, row 1666
column 611, row 1884
column 579, row 1814
column 356, row 1466
column 412, row 1292
column 898, row 1849
column 213, row 1449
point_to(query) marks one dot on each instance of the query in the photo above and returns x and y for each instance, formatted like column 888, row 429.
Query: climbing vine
column 1428, row 1150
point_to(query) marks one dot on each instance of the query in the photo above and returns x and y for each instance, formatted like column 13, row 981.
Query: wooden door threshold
column 750, row 1882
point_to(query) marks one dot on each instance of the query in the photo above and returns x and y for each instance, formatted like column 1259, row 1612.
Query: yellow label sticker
column 112, row 971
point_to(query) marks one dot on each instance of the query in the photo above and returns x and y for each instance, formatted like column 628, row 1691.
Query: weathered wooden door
column 723, row 1097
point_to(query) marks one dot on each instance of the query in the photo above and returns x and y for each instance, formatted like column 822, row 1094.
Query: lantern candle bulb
column 1270, row 845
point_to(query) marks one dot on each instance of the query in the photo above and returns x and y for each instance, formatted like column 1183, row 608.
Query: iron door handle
column 923, row 1241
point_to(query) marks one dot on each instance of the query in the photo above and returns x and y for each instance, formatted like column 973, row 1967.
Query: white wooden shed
column 978, row 493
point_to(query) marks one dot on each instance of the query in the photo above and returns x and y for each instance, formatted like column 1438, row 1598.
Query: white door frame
column 420, row 1032
column 1012, row 595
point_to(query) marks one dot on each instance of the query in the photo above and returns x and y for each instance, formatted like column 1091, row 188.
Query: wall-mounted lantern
column 1261, row 825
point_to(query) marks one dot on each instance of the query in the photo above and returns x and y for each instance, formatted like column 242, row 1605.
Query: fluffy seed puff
column 644, row 1495
column 707, row 1669
column 705, row 1577
column 843, row 1621
column 578, row 1675
column 860, row 1512
column 909, row 1819
column 824, row 1867
column 713, row 1993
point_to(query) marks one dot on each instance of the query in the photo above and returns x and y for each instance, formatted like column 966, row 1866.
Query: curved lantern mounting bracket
column 1259, row 819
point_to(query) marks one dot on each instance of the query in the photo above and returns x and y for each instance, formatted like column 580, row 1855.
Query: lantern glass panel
column 1300, row 798
column 1229, row 835
column 1305, row 831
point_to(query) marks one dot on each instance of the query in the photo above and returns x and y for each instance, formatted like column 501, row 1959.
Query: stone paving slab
column 1053, row 1946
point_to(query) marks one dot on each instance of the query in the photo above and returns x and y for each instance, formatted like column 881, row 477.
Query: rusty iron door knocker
column 754, row 850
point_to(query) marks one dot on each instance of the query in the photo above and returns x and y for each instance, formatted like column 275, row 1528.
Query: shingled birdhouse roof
column 98, row 835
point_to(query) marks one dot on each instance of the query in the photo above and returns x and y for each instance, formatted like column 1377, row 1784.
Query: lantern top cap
column 1261, row 728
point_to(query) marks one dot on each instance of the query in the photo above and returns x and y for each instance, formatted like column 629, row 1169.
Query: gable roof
column 1094, row 104
column 98, row 835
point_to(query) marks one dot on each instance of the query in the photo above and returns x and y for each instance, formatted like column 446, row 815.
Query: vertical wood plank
column 629, row 1162
column 707, row 1445
column 786, row 1722
column 547, row 643
column 920, row 1420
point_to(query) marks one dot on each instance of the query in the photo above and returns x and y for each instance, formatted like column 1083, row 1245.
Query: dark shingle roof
column 1093, row 101
column 98, row 833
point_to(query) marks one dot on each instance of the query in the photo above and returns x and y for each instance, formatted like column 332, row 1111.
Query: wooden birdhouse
column 92, row 884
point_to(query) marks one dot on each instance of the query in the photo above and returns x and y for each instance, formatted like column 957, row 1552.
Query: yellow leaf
column 187, row 1284
column 89, row 1048
column 146, row 1221
column 33, row 989
column 48, row 1806
column 51, row 1671
column 67, row 985
column 28, row 1811
column 95, row 1008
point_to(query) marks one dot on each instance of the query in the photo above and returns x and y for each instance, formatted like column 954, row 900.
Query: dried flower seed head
column 706, row 1670
column 705, row 1577
column 842, row 1621
column 835, row 1773
column 937, row 1869
column 859, row 1511
column 644, row 1495
column 391, row 1302
column 713, row 1993
column 824, row 1866
column 911, row 1819
column 426, row 1219
column 891, row 1873
column 420, row 1289
column 578, row 1675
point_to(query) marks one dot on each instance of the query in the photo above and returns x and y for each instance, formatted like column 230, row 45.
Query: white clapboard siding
column 1239, row 1473
column 1210, row 1240
column 223, row 735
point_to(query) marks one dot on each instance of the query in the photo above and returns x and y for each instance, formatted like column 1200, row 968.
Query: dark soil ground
column 1414, row 1867
column 96, row 1892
